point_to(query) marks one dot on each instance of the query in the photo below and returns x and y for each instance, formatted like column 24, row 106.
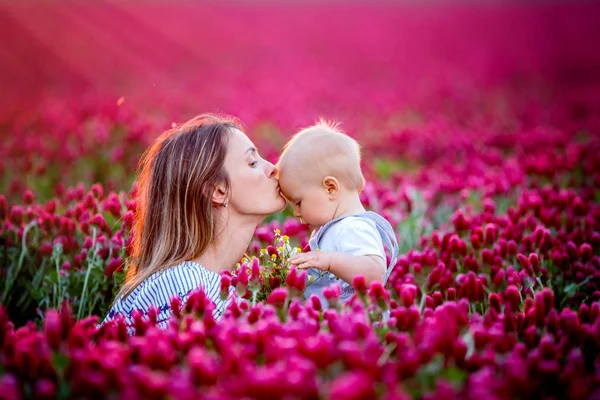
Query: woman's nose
column 269, row 169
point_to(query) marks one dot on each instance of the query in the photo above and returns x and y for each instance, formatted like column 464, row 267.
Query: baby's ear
column 332, row 185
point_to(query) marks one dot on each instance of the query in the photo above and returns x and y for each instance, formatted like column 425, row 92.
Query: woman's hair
column 177, row 176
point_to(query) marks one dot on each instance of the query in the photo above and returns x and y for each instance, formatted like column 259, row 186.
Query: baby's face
column 310, row 200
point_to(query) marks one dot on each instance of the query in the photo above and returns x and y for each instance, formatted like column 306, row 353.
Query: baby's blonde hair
column 325, row 146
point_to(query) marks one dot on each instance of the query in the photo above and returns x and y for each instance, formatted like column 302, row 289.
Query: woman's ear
column 332, row 185
column 219, row 196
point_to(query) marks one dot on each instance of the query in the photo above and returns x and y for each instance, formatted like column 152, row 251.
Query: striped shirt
column 159, row 288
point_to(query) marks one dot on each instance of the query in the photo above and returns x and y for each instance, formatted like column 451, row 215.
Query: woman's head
column 191, row 180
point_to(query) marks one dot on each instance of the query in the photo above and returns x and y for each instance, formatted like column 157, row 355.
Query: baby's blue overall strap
column 383, row 227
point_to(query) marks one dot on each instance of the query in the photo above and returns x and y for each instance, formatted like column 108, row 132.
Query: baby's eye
column 254, row 164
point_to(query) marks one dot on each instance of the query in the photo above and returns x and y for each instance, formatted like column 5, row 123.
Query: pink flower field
column 480, row 127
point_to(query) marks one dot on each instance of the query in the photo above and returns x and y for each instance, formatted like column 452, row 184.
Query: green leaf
column 64, row 392
column 570, row 289
column 60, row 361
column 455, row 376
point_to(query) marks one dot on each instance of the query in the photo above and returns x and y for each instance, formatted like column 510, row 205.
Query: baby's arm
column 344, row 266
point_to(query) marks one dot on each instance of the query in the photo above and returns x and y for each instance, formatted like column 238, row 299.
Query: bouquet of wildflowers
column 256, row 277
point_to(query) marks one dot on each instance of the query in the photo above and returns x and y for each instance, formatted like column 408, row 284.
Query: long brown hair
column 177, row 176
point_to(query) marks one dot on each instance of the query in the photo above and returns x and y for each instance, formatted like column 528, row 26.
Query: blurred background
column 381, row 68
column 276, row 60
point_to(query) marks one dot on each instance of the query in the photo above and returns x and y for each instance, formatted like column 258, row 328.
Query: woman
column 202, row 190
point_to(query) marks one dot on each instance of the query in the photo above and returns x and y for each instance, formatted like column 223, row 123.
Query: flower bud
column 45, row 249
column 255, row 271
column 16, row 215
column 585, row 252
column 316, row 302
column 511, row 248
column 292, row 227
column 535, row 262
column 459, row 221
column 99, row 221
column 277, row 297
column 275, row 282
column 495, row 301
column 3, row 207
column 438, row 299
column 360, row 285
column 97, row 191
column 176, row 306
column 378, row 294
column 28, row 197
column 487, row 256
column 114, row 265
column 291, row 278
column 301, row 281
column 53, row 329
column 44, row 389
column 525, row 264
column 408, row 293
column 451, row 294
column 242, row 281
column 475, row 242
column 128, row 219
column 332, row 293
column 490, row 233
column 512, row 297
column 225, row 286
column 353, row 385
column 272, row 251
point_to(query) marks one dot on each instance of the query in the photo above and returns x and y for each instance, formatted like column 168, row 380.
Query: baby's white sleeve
column 358, row 237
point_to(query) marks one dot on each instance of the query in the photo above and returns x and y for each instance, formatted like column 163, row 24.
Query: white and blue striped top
column 162, row 286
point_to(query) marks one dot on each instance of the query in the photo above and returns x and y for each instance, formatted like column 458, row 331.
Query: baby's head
column 319, row 169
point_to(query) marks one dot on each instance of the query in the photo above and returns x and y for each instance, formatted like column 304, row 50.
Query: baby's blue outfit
column 357, row 234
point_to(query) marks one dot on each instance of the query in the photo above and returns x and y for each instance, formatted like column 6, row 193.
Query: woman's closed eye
column 253, row 164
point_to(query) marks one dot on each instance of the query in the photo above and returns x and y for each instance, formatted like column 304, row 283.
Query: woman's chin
column 282, row 204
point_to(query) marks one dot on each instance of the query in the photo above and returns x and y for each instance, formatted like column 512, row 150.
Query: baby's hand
column 312, row 259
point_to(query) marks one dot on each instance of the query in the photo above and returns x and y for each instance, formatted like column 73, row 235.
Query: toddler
column 320, row 175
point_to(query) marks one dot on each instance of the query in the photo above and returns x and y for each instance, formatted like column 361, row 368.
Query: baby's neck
column 349, row 204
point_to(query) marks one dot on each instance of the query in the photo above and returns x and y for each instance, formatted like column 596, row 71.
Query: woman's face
column 254, row 188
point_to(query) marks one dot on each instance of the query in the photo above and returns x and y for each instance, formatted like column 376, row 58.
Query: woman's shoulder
column 186, row 275
column 177, row 280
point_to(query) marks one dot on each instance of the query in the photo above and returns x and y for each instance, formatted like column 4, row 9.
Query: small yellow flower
column 244, row 260
column 277, row 232
column 318, row 249
column 286, row 238
column 274, row 256
column 311, row 278
column 280, row 248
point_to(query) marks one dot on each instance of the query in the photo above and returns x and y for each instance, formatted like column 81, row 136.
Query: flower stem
column 58, row 298
column 11, row 278
column 87, row 276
